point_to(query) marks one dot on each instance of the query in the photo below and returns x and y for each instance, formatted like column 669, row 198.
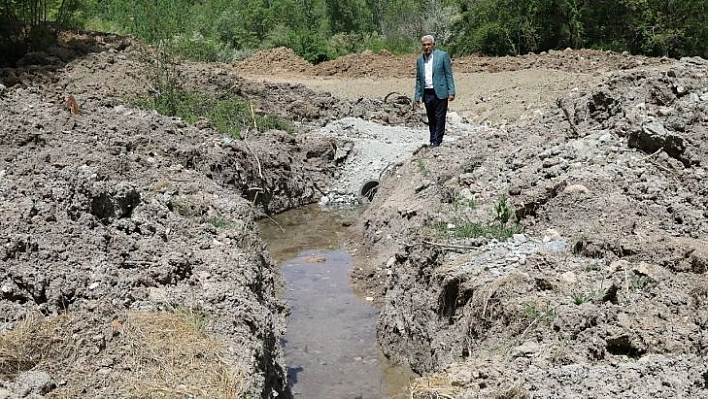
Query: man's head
column 428, row 42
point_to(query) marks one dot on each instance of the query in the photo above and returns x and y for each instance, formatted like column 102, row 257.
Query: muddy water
column 330, row 346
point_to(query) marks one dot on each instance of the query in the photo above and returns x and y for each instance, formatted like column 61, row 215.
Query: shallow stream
column 330, row 345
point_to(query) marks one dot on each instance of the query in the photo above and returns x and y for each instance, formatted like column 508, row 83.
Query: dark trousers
column 437, row 110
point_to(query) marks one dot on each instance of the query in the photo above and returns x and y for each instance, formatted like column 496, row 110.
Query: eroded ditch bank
column 330, row 344
column 616, row 176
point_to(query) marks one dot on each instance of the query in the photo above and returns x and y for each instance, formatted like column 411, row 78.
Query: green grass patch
column 220, row 222
column 422, row 168
column 228, row 115
column 541, row 313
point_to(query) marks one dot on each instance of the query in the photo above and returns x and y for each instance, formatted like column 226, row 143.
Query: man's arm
column 447, row 67
column 418, row 94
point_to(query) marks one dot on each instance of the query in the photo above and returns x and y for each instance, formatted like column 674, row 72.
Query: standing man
column 435, row 86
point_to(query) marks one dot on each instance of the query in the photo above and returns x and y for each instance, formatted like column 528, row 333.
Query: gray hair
column 428, row 37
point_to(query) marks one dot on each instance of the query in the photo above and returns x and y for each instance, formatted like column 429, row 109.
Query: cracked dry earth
column 119, row 227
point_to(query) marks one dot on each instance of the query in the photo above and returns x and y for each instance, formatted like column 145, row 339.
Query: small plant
column 638, row 283
column 463, row 204
column 490, row 230
column 593, row 267
column 197, row 319
column 580, row 298
column 540, row 313
column 220, row 222
column 180, row 205
column 228, row 115
column 502, row 210
column 422, row 168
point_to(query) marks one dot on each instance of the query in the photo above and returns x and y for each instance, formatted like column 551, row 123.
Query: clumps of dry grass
column 172, row 355
column 515, row 391
column 156, row 355
column 439, row 386
column 32, row 341
column 436, row 386
column 488, row 302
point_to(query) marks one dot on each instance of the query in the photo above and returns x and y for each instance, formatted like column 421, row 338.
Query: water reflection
column 330, row 345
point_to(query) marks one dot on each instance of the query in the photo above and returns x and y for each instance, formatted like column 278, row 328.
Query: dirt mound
column 281, row 60
column 581, row 61
column 368, row 65
column 384, row 64
column 610, row 191
column 117, row 214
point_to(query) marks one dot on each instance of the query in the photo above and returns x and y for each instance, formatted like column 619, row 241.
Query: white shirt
column 428, row 64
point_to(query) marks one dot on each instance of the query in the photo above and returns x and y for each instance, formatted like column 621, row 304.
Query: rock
column 33, row 382
column 460, row 377
column 569, row 277
column 466, row 179
column 653, row 272
column 527, row 349
column 555, row 245
column 576, row 188
column 551, row 234
column 519, row 238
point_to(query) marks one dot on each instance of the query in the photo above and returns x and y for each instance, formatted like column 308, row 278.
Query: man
column 435, row 86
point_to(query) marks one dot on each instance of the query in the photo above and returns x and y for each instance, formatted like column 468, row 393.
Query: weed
column 197, row 319
column 462, row 204
column 540, row 313
column 638, row 283
column 593, row 267
column 422, row 168
column 181, row 206
column 28, row 344
column 580, row 298
column 502, row 210
column 228, row 116
column 220, row 222
column 486, row 230
column 459, row 229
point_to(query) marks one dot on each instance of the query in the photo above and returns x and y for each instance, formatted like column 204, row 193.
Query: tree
column 27, row 25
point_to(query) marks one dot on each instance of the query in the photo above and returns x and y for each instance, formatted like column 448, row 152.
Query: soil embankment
column 603, row 292
column 119, row 226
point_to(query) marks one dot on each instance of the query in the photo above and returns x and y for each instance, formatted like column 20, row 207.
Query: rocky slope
column 604, row 292
column 115, row 212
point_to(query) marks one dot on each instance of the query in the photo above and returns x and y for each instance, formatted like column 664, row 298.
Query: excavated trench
column 330, row 344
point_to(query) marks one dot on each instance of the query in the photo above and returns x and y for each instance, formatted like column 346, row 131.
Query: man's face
column 428, row 46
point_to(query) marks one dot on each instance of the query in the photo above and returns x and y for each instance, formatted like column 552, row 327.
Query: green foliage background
column 318, row 30
column 652, row 27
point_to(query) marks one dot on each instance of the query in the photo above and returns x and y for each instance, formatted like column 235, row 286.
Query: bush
column 29, row 25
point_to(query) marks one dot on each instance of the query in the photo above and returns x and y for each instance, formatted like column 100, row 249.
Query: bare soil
column 490, row 90
column 117, row 213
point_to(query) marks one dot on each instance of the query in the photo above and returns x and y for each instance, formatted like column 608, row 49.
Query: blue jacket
column 443, row 82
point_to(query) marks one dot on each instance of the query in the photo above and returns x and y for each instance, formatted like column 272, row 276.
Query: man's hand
column 417, row 103
column 451, row 98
